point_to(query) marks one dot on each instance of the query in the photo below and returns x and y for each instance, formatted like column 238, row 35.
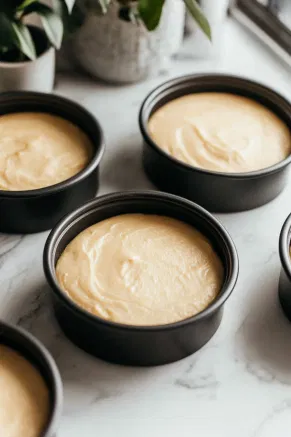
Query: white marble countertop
column 240, row 383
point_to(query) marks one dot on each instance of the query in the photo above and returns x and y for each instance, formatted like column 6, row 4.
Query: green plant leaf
column 51, row 22
column 7, row 35
column 70, row 5
column 104, row 5
column 150, row 12
column 64, row 5
column 9, row 4
column 8, row 7
column 53, row 27
column 25, row 41
column 61, row 9
column 25, row 4
column 198, row 16
column 71, row 21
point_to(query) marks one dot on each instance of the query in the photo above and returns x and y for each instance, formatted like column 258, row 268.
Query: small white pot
column 117, row 51
column 35, row 75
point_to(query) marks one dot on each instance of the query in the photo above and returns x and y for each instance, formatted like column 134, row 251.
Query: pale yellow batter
column 38, row 150
column 24, row 397
column 220, row 132
column 141, row 270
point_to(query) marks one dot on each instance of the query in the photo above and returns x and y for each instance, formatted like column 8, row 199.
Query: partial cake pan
column 38, row 210
column 218, row 192
column 31, row 349
column 139, row 345
column 285, row 276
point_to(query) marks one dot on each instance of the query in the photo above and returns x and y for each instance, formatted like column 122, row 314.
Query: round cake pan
column 219, row 192
column 285, row 276
column 139, row 345
column 32, row 350
column 38, row 210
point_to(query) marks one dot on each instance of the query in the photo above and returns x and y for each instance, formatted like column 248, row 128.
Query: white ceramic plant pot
column 35, row 75
column 118, row 51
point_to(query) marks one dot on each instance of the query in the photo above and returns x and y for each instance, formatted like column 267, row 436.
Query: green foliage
column 149, row 12
column 72, row 17
column 198, row 16
column 65, row 17
column 24, row 40
column 15, row 35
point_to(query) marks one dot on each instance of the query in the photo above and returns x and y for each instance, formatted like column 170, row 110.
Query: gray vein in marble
column 272, row 255
column 35, row 307
column 28, row 304
column 200, row 374
column 13, row 284
column 263, row 339
column 249, row 238
column 277, row 410
column 202, row 382
column 8, row 243
column 264, row 375
column 103, row 394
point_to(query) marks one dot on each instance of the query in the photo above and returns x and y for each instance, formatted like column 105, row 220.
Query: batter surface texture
column 24, row 396
column 38, row 150
column 141, row 269
column 220, row 132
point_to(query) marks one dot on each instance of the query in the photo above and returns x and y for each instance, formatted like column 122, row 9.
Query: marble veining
column 239, row 383
column 269, row 422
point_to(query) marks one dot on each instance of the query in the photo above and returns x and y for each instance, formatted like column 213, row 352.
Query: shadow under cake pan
column 285, row 275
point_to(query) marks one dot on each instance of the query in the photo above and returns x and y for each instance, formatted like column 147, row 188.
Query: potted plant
column 126, row 40
column 27, row 52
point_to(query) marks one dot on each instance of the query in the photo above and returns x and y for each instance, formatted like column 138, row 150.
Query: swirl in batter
column 141, row 269
column 38, row 150
column 220, row 132
column 24, row 396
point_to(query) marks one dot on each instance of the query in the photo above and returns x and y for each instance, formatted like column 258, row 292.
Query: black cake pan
column 139, row 345
column 216, row 191
column 285, row 276
column 38, row 210
column 32, row 350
